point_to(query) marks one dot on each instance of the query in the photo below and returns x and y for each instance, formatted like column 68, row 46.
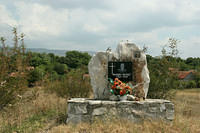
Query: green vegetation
column 13, row 73
column 73, row 85
column 51, row 67
column 75, row 59
column 31, row 124
column 20, row 69
column 163, row 80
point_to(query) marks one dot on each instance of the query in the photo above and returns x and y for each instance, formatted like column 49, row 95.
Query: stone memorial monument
column 120, row 82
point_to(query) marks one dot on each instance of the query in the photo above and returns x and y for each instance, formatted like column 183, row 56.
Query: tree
column 173, row 45
column 62, row 60
column 162, row 79
column 171, row 48
column 145, row 49
column 35, row 60
column 75, row 59
column 60, row 68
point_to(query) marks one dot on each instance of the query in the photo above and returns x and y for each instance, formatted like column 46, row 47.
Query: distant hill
column 56, row 52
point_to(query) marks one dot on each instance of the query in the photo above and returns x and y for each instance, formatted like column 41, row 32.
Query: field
column 40, row 111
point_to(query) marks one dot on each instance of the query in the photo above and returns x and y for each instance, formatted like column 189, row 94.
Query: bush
column 162, row 80
column 198, row 84
column 10, row 91
column 76, row 59
column 52, row 76
column 73, row 85
column 191, row 84
column 35, row 75
column 60, row 68
column 182, row 84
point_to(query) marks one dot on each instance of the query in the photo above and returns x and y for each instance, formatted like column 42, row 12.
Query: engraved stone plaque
column 120, row 70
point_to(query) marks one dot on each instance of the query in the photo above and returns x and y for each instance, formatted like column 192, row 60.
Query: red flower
column 121, row 87
column 124, row 91
column 121, row 93
column 114, row 87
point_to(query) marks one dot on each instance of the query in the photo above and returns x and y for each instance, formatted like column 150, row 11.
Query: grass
column 187, row 120
column 39, row 111
column 30, row 124
column 36, row 111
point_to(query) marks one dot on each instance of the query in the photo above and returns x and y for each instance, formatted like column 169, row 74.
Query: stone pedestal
column 87, row 110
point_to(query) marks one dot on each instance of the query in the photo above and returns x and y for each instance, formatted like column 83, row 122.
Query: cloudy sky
column 94, row 25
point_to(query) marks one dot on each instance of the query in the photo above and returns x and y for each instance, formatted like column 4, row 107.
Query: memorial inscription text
column 120, row 70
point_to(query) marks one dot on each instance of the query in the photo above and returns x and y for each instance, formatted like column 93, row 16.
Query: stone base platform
column 87, row 110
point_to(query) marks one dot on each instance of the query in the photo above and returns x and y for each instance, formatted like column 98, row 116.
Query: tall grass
column 35, row 111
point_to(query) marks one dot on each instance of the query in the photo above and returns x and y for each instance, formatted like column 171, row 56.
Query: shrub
column 60, row 68
column 76, row 59
column 198, row 84
column 53, row 76
column 191, row 84
column 162, row 80
column 73, row 85
column 10, row 91
column 183, row 84
column 12, row 73
column 35, row 75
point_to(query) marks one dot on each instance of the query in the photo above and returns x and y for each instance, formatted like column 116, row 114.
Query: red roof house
column 186, row 75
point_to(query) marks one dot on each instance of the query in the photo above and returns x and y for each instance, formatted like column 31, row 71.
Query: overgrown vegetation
column 163, row 80
column 73, row 85
column 13, row 72
column 20, row 69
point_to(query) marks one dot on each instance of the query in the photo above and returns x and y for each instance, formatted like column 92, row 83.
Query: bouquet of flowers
column 120, row 88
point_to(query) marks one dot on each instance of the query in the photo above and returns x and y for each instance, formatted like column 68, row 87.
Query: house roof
column 184, row 74
column 181, row 74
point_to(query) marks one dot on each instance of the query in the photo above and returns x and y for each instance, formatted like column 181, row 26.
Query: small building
column 186, row 75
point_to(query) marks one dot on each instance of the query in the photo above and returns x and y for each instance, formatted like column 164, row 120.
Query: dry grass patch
column 187, row 120
column 33, row 112
column 39, row 111
column 123, row 126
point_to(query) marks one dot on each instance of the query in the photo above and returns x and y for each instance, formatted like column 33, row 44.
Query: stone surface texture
column 98, row 70
column 87, row 110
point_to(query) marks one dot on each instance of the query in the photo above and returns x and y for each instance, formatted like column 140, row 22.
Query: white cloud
column 6, row 17
column 38, row 20
column 94, row 28
column 190, row 47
